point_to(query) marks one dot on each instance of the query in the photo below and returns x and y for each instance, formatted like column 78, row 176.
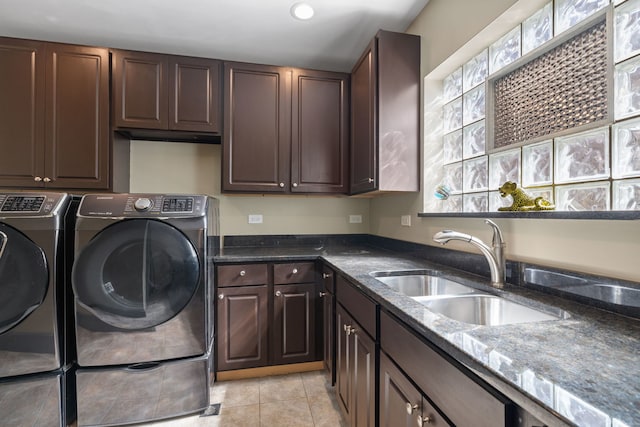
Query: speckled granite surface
column 583, row 370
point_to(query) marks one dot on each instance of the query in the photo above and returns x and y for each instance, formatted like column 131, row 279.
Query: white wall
column 195, row 168
column 609, row 248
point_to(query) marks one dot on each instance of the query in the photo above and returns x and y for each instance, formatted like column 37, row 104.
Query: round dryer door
column 24, row 277
column 136, row 273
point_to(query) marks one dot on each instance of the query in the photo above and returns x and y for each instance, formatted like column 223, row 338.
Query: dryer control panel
column 143, row 205
column 30, row 204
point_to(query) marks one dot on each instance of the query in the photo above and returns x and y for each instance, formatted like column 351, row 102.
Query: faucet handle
column 497, row 233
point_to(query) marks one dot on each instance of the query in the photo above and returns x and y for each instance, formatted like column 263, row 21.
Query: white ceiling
column 259, row 31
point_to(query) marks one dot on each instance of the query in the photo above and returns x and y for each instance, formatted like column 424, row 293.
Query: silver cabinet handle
column 47, row 179
column 411, row 408
column 221, row 296
column 5, row 239
column 424, row 420
column 370, row 180
column 294, row 271
column 242, row 273
column 37, row 179
column 295, row 184
column 278, row 293
column 326, row 275
column 321, row 294
column 281, row 185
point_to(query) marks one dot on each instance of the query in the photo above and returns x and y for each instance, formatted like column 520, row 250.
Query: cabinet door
column 294, row 322
column 320, row 132
column 194, row 94
column 242, row 327
column 344, row 360
column 257, row 126
column 363, row 388
column 140, row 97
column 363, row 122
column 22, row 72
column 77, row 117
column 400, row 401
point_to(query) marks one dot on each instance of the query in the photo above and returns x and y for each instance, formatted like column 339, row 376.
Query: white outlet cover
column 255, row 219
column 405, row 220
column 355, row 219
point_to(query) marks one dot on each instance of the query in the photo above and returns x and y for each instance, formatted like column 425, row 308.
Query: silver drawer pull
column 326, row 275
column 321, row 294
column 411, row 408
column 278, row 293
column 294, row 271
column 242, row 273
column 221, row 296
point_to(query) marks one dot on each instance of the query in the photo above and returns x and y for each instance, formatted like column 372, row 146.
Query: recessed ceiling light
column 302, row 11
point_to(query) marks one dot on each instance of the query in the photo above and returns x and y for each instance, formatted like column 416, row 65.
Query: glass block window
column 504, row 166
column 627, row 88
column 452, row 146
column 583, row 157
column 452, row 86
column 626, row 195
column 627, row 30
column 506, row 50
column 537, row 164
column 597, row 169
column 571, row 12
column 537, row 29
column 473, row 140
column 475, row 71
column 475, row 175
column 583, row 197
column 626, row 149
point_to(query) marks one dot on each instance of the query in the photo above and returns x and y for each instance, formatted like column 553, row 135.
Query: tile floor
column 292, row 400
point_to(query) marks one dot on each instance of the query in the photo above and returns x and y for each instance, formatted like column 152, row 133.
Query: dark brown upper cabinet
column 286, row 130
column 385, row 96
column 165, row 93
column 54, row 115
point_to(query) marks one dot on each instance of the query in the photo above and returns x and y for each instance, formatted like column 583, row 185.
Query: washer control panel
column 30, row 204
column 147, row 205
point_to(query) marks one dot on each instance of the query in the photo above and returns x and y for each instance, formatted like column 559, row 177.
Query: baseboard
column 266, row 371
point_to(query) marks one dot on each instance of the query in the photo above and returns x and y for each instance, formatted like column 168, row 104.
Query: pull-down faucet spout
column 494, row 256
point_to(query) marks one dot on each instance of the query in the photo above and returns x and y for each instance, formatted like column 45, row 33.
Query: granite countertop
column 585, row 369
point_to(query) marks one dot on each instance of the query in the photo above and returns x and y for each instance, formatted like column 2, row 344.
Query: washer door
column 136, row 274
column 24, row 277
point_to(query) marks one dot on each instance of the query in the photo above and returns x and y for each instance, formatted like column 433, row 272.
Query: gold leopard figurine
column 523, row 201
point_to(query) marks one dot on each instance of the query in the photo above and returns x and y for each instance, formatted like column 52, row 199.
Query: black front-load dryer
column 142, row 301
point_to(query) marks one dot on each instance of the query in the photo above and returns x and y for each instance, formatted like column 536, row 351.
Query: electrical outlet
column 255, row 219
column 355, row 219
column 405, row 220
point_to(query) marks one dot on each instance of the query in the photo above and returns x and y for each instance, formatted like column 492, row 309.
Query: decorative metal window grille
column 561, row 90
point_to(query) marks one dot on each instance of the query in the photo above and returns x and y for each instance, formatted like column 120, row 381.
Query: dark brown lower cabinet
column 294, row 323
column 243, row 317
column 401, row 403
column 355, row 370
column 464, row 399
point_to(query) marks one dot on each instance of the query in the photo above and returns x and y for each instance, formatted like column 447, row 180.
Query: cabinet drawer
column 357, row 304
column 294, row 272
column 242, row 275
column 463, row 400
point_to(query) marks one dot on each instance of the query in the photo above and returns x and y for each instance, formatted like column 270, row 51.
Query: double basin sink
column 460, row 302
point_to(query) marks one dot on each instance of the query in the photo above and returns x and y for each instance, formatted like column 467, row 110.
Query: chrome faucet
column 494, row 255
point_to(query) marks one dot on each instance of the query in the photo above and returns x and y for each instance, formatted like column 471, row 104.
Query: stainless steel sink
column 421, row 284
column 486, row 310
column 614, row 294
